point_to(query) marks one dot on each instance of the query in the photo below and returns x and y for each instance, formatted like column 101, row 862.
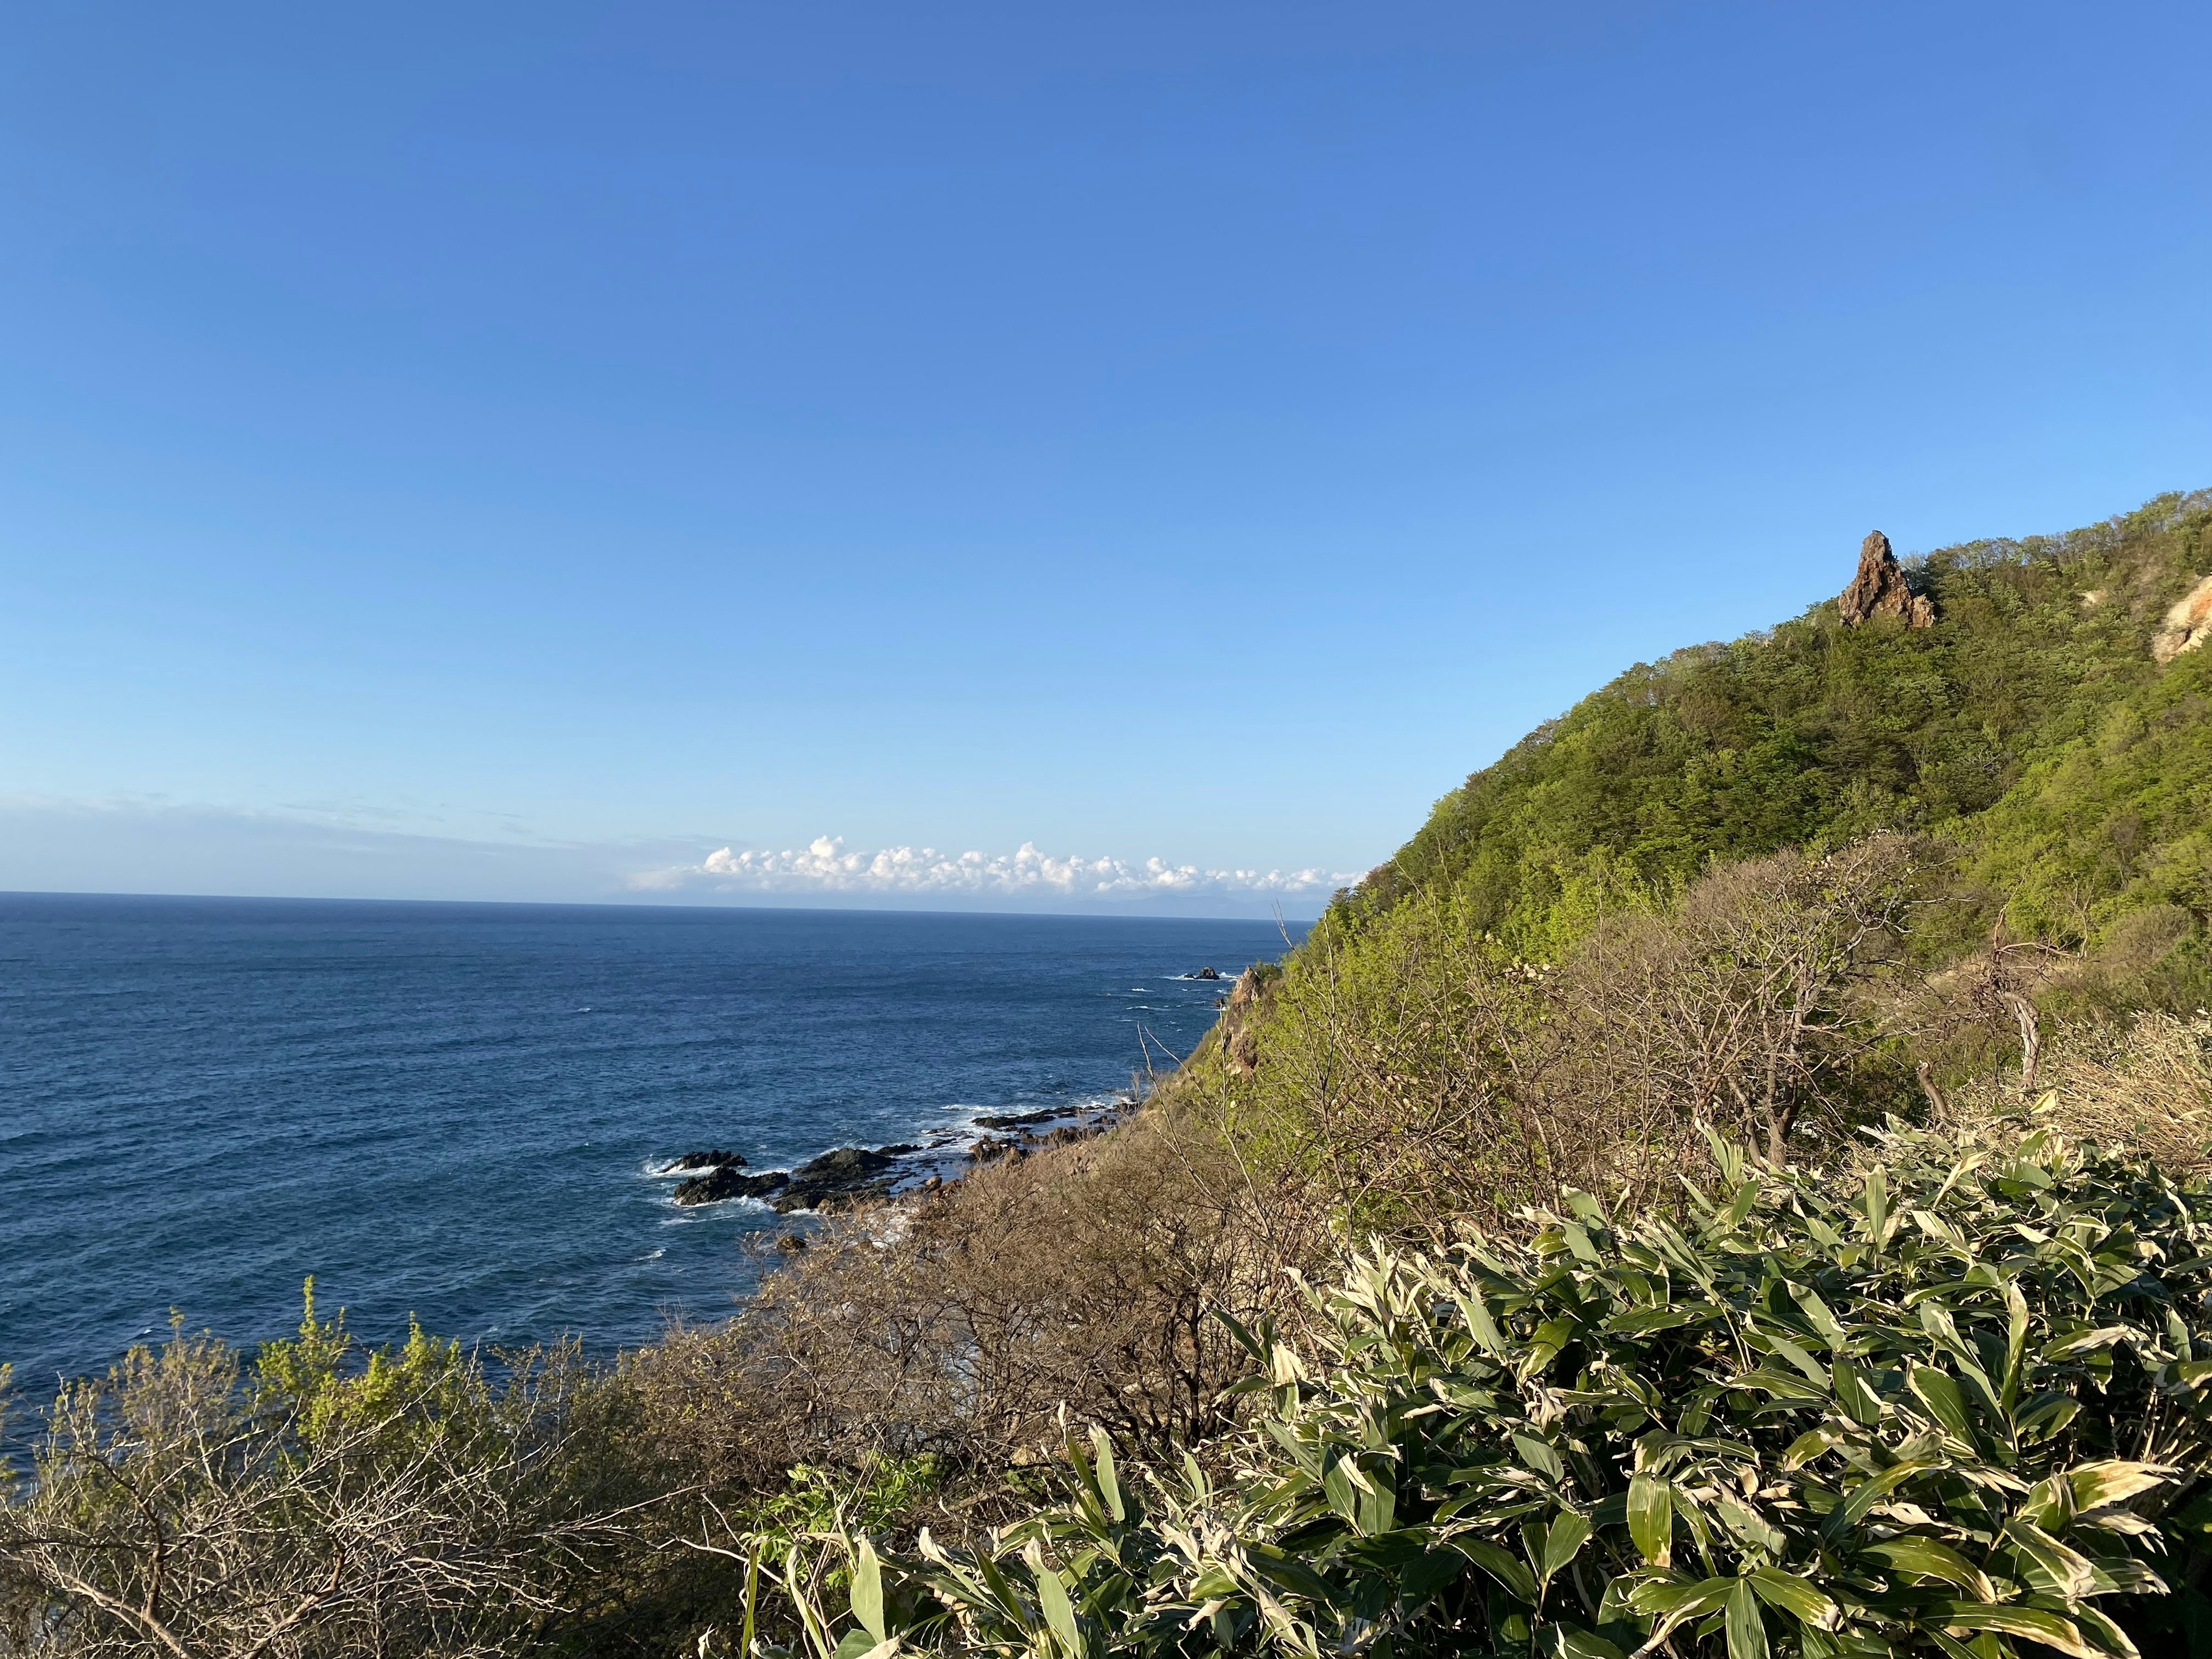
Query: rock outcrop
column 714, row 1158
column 1238, row 1041
column 1880, row 589
column 728, row 1182
column 2186, row 624
column 849, row 1177
column 845, row 1175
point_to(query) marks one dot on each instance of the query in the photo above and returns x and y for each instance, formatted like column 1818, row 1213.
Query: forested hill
column 2030, row 730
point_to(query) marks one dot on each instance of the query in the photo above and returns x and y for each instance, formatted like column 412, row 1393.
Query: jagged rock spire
column 1880, row 589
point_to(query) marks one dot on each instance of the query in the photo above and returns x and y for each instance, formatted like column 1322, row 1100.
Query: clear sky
column 677, row 451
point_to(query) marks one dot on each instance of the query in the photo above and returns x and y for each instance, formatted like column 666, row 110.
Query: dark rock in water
column 715, row 1159
column 840, row 1177
column 1020, row 1120
column 728, row 1182
column 1207, row 973
column 1880, row 589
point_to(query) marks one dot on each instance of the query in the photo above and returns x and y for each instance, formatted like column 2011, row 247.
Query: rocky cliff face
column 2186, row 624
column 1880, row 589
column 1237, row 1040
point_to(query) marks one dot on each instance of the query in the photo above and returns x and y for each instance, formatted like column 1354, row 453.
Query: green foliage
column 332, row 1392
column 814, row 1500
column 2029, row 726
column 1955, row 1405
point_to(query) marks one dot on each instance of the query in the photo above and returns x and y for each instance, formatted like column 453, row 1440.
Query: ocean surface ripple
column 452, row 1110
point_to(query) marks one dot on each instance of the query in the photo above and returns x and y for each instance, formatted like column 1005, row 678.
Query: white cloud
column 148, row 845
column 825, row 866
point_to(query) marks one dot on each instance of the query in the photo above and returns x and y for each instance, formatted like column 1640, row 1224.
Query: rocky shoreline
column 847, row 1178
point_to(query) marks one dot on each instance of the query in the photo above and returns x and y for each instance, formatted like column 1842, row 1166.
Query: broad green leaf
column 1939, row 1394
column 1501, row 1565
column 1651, row 1518
column 1672, row 1604
column 1868, row 1492
column 1748, row 1525
column 1110, row 1482
column 868, row 1591
column 1567, row 1536
column 1875, row 1204
column 1479, row 1324
column 1930, row 1558
column 1747, row 1629
column 1535, row 1455
column 2069, row 1571
column 1966, row 1618
column 1337, row 1486
column 1573, row 1642
column 1058, row 1612
column 2046, row 1416
column 1797, row 1356
column 2015, row 1340
column 2096, row 1485
column 1378, row 1505
column 2083, row 1341
column 1800, row 1598
column 1646, row 1320
column 1546, row 1345
column 1855, row 1393
column 1817, row 1314
column 1809, row 1445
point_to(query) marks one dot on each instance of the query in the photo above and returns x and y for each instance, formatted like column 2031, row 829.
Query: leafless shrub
column 1087, row 1276
column 2145, row 1083
column 173, row 1507
column 1416, row 1071
column 1746, row 1005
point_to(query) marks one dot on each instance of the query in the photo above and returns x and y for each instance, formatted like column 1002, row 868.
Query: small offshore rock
column 714, row 1158
column 1207, row 973
column 1880, row 589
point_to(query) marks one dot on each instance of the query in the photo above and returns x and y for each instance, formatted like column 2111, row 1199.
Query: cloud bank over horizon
column 141, row 845
column 826, row 867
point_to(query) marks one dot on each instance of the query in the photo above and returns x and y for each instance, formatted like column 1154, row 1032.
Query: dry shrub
column 184, row 1505
column 1412, row 1071
column 1750, row 1004
column 1088, row 1277
column 2147, row 1085
column 1417, row 1072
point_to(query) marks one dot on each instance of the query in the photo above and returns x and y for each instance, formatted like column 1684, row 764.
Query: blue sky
column 525, row 451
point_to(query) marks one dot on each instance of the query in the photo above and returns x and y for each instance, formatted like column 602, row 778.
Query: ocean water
column 453, row 1110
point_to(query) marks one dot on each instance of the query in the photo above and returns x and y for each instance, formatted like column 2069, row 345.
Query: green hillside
column 2029, row 729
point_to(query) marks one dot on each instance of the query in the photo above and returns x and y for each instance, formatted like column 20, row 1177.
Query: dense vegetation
column 1881, row 1416
column 2029, row 729
column 1752, row 1143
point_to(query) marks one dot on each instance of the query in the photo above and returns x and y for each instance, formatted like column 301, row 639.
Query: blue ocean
column 459, row 1111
